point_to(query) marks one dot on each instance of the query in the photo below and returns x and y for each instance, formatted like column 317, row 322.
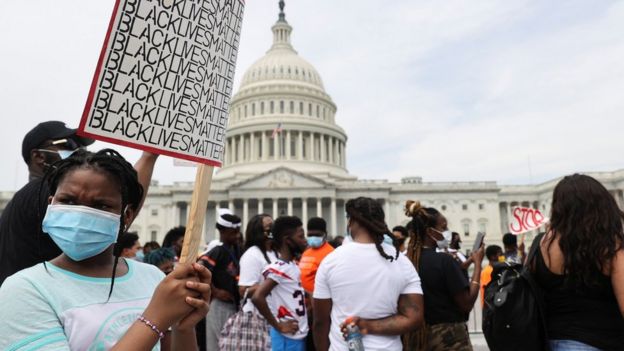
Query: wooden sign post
column 163, row 84
column 197, row 214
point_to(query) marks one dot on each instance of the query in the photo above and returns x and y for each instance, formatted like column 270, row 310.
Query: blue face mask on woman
column 81, row 232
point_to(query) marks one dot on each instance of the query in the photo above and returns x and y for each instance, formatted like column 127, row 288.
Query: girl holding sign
column 580, row 267
column 87, row 298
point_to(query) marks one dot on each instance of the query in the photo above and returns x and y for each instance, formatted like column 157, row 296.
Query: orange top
column 309, row 264
column 486, row 278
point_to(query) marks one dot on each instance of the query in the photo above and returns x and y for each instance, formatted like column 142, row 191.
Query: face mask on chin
column 444, row 243
column 81, row 232
column 139, row 255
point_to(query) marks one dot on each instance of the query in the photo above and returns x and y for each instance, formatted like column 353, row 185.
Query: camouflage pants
column 448, row 337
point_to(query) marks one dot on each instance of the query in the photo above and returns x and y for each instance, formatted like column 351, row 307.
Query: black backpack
column 513, row 317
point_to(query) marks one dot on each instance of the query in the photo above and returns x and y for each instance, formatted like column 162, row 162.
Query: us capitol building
column 300, row 168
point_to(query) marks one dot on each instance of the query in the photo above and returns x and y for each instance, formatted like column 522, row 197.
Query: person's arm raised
column 465, row 298
column 409, row 317
column 145, row 168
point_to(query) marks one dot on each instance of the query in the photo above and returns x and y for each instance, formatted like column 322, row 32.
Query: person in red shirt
column 318, row 248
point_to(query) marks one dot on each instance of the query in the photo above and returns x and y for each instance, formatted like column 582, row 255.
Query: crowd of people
column 73, row 277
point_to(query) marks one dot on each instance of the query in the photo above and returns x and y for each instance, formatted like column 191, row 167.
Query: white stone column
column 276, row 146
column 288, row 145
column 231, row 205
column 217, row 207
column 265, row 147
column 245, row 211
column 334, row 226
column 233, row 150
column 300, row 146
column 275, row 208
column 252, row 147
column 260, row 206
column 322, row 148
column 319, row 207
column 304, row 211
column 175, row 215
column 330, row 144
column 311, row 153
column 241, row 148
column 290, row 206
column 188, row 212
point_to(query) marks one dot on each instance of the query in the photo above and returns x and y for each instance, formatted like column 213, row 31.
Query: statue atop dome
column 282, row 15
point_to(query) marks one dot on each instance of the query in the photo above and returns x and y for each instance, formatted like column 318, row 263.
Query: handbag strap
column 244, row 299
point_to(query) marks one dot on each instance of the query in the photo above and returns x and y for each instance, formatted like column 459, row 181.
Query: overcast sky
column 513, row 91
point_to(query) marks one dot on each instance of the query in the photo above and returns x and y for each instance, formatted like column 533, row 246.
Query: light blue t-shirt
column 60, row 310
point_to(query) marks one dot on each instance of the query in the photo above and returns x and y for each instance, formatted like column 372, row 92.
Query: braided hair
column 369, row 214
column 422, row 218
column 114, row 165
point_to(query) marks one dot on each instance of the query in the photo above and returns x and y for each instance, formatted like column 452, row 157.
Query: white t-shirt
column 252, row 263
column 287, row 299
column 362, row 283
column 60, row 310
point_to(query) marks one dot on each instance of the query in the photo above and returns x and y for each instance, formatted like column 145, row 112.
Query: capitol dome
column 282, row 116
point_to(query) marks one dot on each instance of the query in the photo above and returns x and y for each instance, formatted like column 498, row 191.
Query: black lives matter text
column 166, row 78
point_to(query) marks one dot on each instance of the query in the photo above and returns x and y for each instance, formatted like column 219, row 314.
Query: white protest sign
column 526, row 219
column 164, row 77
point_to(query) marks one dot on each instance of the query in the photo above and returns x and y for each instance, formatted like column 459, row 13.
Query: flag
column 277, row 130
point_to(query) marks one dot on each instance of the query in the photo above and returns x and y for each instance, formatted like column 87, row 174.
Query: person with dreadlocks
column 449, row 296
column 65, row 304
column 368, row 280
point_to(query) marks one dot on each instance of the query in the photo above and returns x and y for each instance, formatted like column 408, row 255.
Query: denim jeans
column 570, row 345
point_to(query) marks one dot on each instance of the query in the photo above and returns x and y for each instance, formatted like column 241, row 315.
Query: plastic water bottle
column 354, row 336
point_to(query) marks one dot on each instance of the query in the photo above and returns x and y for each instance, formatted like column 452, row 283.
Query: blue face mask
column 388, row 240
column 81, row 232
column 315, row 241
column 139, row 255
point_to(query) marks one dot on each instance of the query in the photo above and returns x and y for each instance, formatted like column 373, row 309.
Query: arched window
column 292, row 107
column 262, row 108
column 272, row 107
column 253, row 109
column 281, row 106
column 300, row 108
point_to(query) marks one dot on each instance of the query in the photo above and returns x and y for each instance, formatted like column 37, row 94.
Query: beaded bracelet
column 152, row 326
